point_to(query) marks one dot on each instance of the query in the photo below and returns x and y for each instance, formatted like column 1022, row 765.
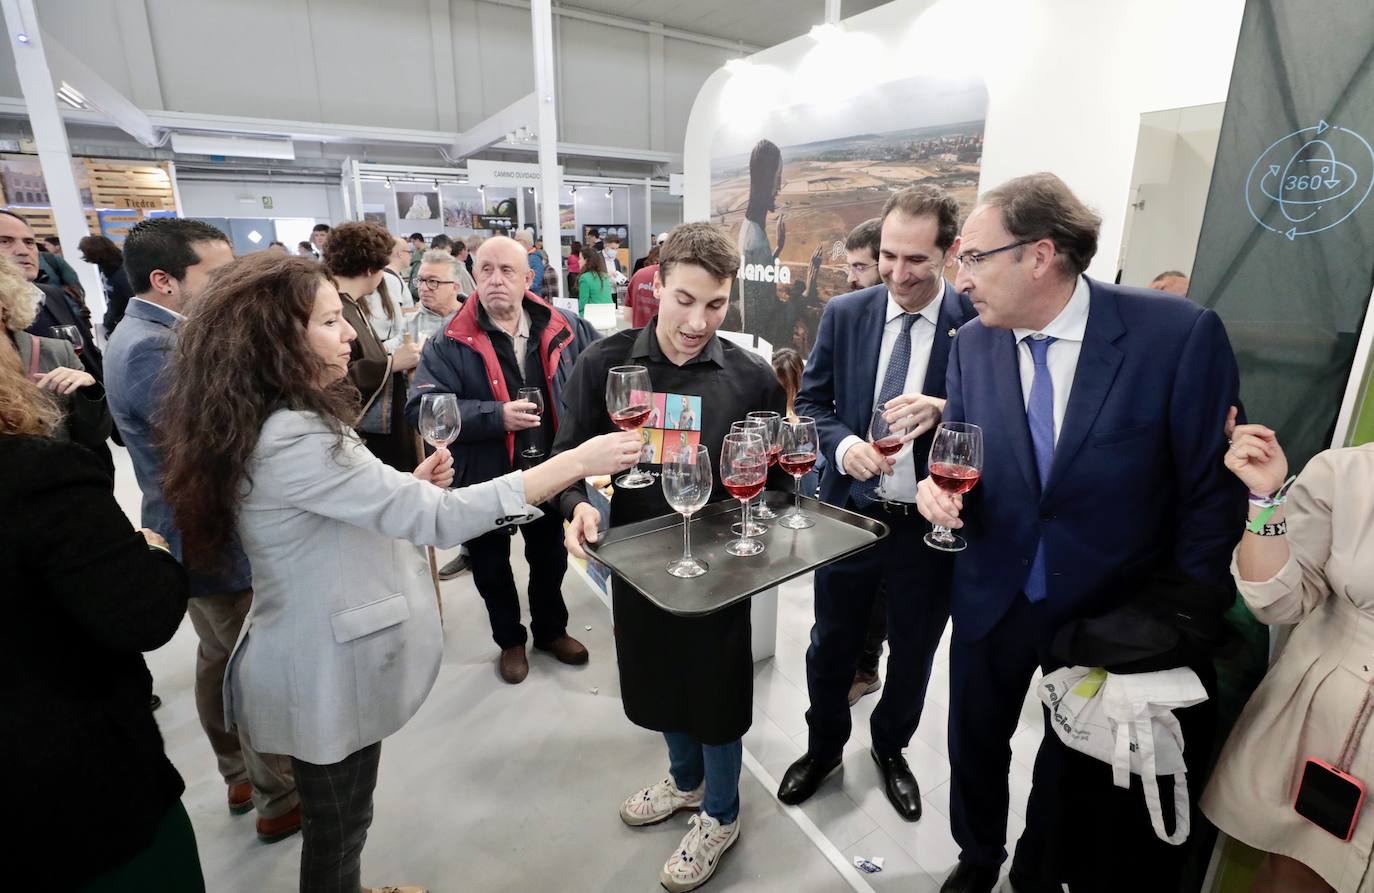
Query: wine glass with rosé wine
column 956, row 462
column 797, row 457
column 743, row 469
column 629, row 400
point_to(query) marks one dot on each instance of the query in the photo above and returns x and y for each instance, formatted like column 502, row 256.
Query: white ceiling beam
column 314, row 132
column 524, row 112
column 608, row 21
column 445, row 81
column 137, row 39
column 99, row 93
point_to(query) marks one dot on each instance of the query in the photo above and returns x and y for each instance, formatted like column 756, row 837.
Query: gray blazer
column 343, row 641
column 86, row 418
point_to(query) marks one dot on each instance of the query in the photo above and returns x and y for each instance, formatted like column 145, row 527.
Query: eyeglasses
column 972, row 259
column 432, row 284
column 859, row 269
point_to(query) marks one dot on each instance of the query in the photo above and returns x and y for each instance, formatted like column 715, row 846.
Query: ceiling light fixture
column 21, row 37
column 71, row 96
column 388, row 183
column 610, row 193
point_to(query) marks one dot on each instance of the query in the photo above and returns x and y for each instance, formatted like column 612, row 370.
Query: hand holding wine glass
column 629, row 397
column 69, row 333
column 886, row 440
column 440, row 422
column 956, row 462
column 535, row 398
column 800, row 447
column 687, row 487
column 743, row 468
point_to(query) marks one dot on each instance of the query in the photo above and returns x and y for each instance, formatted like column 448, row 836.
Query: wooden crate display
column 145, row 187
column 40, row 220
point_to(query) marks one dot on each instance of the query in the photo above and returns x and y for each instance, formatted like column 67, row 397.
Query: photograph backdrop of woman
column 760, row 307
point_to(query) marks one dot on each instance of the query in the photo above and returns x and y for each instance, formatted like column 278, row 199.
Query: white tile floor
column 513, row 788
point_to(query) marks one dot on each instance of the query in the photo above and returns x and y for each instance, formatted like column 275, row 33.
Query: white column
column 40, row 100
column 832, row 11
column 550, row 184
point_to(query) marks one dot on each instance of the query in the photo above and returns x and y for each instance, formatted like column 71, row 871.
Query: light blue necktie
column 894, row 383
column 1040, row 418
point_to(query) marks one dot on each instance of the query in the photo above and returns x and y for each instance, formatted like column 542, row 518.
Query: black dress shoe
column 804, row 776
column 899, row 785
column 970, row 878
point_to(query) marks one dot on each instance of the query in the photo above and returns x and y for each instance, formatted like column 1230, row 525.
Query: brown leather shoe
column 280, row 828
column 514, row 665
column 863, row 684
column 566, row 649
column 240, row 797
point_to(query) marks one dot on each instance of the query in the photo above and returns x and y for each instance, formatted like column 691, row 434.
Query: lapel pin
column 952, row 331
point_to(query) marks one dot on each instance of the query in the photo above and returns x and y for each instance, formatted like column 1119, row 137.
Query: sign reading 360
column 1310, row 180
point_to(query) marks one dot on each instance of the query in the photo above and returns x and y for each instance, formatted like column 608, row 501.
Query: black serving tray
column 640, row 552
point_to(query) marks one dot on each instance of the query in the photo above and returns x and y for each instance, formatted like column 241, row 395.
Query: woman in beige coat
column 343, row 642
column 1319, row 574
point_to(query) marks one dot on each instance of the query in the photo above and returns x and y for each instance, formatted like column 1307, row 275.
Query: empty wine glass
column 69, row 333
column 535, row 396
column 886, row 440
column 687, row 487
column 629, row 400
column 956, row 462
column 440, row 420
column 751, row 426
column 743, row 468
column 799, row 449
column 773, row 424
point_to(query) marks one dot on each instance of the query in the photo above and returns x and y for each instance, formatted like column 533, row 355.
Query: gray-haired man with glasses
column 437, row 283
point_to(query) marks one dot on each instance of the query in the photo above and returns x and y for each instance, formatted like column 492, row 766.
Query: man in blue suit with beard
column 1103, row 411
column 886, row 344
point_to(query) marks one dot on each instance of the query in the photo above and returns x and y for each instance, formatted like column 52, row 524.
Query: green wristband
column 1258, row 522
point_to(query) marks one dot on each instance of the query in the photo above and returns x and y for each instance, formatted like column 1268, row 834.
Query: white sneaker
column 659, row 802
column 696, row 859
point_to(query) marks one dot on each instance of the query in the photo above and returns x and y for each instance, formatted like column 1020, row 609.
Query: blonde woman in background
column 53, row 365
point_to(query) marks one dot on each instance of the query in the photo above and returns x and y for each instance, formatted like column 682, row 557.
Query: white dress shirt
column 901, row 485
column 179, row 317
column 1062, row 357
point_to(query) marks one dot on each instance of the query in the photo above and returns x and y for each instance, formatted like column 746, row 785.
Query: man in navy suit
column 886, row 344
column 1102, row 410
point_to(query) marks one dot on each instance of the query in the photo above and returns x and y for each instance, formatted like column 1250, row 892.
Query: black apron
column 684, row 674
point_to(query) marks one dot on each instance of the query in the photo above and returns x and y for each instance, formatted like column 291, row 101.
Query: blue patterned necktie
column 1040, row 419
column 894, row 384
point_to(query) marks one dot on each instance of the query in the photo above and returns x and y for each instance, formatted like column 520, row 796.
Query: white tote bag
column 1127, row 721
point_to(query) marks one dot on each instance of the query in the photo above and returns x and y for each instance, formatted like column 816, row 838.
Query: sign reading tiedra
column 505, row 173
